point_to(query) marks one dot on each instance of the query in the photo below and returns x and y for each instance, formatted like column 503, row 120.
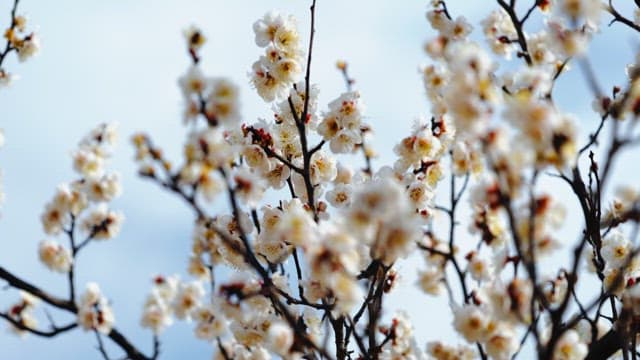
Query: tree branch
column 55, row 330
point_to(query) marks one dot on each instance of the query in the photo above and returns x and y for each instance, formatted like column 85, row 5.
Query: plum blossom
column 94, row 311
column 55, row 256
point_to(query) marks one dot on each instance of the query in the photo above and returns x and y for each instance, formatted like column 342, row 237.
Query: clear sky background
column 105, row 61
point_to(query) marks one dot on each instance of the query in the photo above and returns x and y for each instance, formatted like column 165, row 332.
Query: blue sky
column 119, row 61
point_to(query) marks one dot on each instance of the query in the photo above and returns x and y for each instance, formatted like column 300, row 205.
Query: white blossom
column 102, row 223
column 55, row 256
column 569, row 347
column 28, row 47
column 188, row 299
column 615, row 249
column 280, row 338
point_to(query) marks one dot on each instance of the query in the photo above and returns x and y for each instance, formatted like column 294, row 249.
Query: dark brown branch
column 617, row 17
column 173, row 186
column 530, row 11
column 351, row 329
column 101, row 348
column 606, row 346
column 307, row 77
column 222, row 350
column 433, row 250
column 593, row 138
column 156, row 346
column 247, row 252
column 454, row 199
column 517, row 24
column 286, row 162
column 8, row 48
column 55, row 330
column 317, row 148
column 339, row 337
column 374, row 309
column 18, row 283
column 524, row 338
column 296, row 260
column 445, row 10
column 71, row 277
column 301, row 121
column 560, row 69
column 131, row 351
column 291, row 300
column 590, row 76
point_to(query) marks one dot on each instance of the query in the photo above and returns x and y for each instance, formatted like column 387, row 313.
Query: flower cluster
column 623, row 207
column 22, row 313
column 26, row 44
column 158, row 306
column 480, row 323
column 618, row 262
column 84, row 201
column 94, row 311
column 208, row 148
column 308, row 248
column 169, row 297
column 420, row 162
column 23, row 42
column 467, row 69
column 341, row 125
column 538, row 123
column 215, row 98
column 403, row 345
column 500, row 33
column 281, row 65
column 513, row 223
column 374, row 221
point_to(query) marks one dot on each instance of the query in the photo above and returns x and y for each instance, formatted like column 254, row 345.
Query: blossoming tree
column 307, row 276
